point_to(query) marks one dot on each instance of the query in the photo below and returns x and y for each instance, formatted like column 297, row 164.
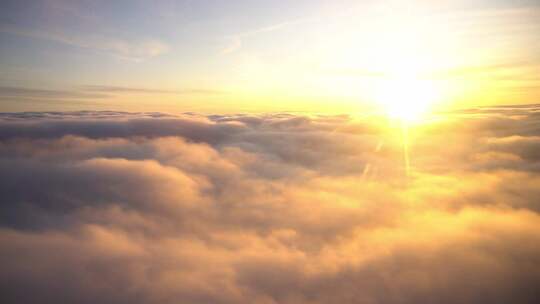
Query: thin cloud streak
column 91, row 92
column 137, row 51
column 121, row 89
column 235, row 40
column 8, row 92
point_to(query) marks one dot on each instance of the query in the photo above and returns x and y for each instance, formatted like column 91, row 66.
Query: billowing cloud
column 118, row 207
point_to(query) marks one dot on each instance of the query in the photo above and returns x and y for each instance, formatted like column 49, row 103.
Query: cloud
column 235, row 40
column 89, row 92
column 120, row 89
column 136, row 50
column 14, row 92
column 276, row 208
column 77, row 25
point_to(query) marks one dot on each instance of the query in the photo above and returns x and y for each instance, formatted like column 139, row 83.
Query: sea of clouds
column 114, row 207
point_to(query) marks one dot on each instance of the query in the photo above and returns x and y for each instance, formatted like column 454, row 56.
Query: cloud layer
column 116, row 207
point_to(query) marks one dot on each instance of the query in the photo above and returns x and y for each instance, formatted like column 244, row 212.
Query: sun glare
column 405, row 92
column 406, row 98
column 405, row 89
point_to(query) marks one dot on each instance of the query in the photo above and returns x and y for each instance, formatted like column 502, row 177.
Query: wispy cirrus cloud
column 235, row 40
column 130, row 49
column 76, row 24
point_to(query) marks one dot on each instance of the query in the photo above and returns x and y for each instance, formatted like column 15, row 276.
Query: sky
column 270, row 152
column 257, row 56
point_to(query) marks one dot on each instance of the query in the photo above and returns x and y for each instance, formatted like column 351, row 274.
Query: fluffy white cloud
column 149, row 208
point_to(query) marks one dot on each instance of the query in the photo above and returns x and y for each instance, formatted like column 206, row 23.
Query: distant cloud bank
column 114, row 207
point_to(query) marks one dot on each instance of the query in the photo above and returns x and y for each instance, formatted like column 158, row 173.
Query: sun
column 406, row 87
column 406, row 98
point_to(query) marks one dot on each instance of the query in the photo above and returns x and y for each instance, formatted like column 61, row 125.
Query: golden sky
column 257, row 56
